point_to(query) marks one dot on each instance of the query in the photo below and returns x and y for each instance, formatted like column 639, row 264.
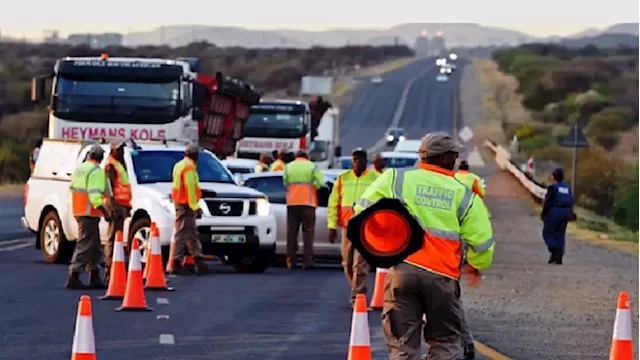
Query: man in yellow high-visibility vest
column 186, row 195
column 348, row 188
column 379, row 163
column 88, row 187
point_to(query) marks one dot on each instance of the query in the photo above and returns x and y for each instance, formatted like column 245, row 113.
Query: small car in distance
column 395, row 135
column 376, row 80
column 240, row 167
column 442, row 78
column 409, row 145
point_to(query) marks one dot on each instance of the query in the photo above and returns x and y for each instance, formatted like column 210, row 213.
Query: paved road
column 11, row 209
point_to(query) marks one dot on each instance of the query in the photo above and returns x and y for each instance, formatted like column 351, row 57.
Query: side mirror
column 338, row 151
column 38, row 89
column 199, row 95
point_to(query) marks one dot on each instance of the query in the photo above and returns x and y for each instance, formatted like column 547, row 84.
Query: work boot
column 95, row 282
column 74, row 282
column 469, row 352
column 201, row 267
column 290, row 264
column 558, row 258
column 552, row 258
column 179, row 270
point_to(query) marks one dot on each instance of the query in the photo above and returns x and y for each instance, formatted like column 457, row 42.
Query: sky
column 538, row 18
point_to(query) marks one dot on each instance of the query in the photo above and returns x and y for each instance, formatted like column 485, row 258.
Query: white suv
column 237, row 224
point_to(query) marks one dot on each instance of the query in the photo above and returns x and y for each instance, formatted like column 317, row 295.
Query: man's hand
column 333, row 235
column 199, row 214
column 105, row 213
column 472, row 274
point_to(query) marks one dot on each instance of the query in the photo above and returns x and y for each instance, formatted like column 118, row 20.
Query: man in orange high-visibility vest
column 88, row 187
column 302, row 178
column 120, row 197
column 186, row 196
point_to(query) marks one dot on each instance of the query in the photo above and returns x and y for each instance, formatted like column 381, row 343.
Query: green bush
column 607, row 140
column 605, row 122
column 625, row 207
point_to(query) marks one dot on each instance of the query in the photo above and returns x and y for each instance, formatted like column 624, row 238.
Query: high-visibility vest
column 302, row 178
column 186, row 184
column 452, row 216
column 260, row 167
column 88, row 186
column 278, row 165
column 345, row 194
column 373, row 168
column 33, row 157
column 122, row 187
column 472, row 181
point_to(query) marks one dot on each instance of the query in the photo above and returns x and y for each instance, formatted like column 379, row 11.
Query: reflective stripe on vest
column 470, row 180
column 443, row 250
column 179, row 192
column 122, row 187
column 301, row 191
column 350, row 188
column 80, row 202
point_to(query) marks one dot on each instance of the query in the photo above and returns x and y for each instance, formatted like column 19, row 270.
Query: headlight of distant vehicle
column 167, row 204
column 453, row 56
column 402, row 138
column 390, row 138
column 263, row 207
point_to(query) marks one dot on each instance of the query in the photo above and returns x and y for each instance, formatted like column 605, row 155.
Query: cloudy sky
column 540, row 17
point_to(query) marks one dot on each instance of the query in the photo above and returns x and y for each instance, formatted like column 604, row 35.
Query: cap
column 360, row 151
column 437, row 143
column 191, row 148
column 117, row 144
column 96, row 149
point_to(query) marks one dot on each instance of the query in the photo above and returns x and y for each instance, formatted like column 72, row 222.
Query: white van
column 237, row 224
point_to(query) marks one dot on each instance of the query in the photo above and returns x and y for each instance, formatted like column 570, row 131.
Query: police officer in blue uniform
column 557, row 211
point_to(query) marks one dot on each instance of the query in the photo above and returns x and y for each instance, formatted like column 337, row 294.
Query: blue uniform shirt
column 558, row 197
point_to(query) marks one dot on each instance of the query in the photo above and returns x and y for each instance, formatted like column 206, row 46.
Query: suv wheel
column 141, row 228
column 53, row 243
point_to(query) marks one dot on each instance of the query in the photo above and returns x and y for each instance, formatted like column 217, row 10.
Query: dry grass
column 11, row 190
column 627, row 147
column 386, row 66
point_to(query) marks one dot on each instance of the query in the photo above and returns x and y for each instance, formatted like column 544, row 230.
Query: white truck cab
column 237, row 224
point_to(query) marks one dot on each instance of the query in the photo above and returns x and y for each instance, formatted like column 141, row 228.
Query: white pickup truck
column 237, row 224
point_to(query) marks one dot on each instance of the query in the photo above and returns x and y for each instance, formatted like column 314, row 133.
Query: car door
column 273, row 187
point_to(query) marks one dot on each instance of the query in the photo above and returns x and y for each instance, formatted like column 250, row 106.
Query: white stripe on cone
column 622, row 326
column 360, row 330
column 135, row 263
column 381, row 271
column 156, row 249
column 83, row 341
column 118, row 252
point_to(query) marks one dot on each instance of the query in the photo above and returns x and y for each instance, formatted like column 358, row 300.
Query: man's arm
column 476, row 231
column 478, row 188
column 381, row 188
column 96, row 185
column 334, row 203
column 190, row 182
column 548, row 200
column 112, row 176
column 318, row 177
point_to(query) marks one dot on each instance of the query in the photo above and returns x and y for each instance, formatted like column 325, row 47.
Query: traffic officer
column 33, row 156
column 263, row 165
column 469, row 179
column 379, row 163
column 302, row 178
column 348, row 188
column 426, row 282
column 120, row 196
column 279, row 164
column 186, row 196
column 557, row 211
column 88, row 187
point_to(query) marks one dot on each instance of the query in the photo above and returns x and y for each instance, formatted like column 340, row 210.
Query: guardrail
column 503, row 159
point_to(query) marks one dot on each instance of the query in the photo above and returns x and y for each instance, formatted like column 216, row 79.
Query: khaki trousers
column 355, row 267
column 88, row 252
column 305, row 217
column 116, row 224
column 410, row 292
column 186, row 233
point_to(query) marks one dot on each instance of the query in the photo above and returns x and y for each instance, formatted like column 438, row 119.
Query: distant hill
column 604, row 40
column 464, row 34
column 622, row 28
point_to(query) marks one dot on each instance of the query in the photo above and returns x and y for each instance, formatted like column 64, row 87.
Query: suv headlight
column 390, row 138
column 263, row 207
column 402, row 138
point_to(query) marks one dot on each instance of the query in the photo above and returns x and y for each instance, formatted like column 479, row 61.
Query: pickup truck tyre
column 53, row 243
column 256, row 264
column 142, row 229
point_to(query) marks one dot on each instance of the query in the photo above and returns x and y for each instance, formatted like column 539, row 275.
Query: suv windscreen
column 273, row 187
column 154, row 166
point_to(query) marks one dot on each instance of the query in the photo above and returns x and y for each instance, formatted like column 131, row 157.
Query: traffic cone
column 622, row 343
column 147, row 253
column 118, row 271
column 155, row 279
column 134, row 295
column 84, row 344
column 378, row 291
column 188, row 261
column 360, row 343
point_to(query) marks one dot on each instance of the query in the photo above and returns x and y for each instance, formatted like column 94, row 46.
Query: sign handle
column 574, row 160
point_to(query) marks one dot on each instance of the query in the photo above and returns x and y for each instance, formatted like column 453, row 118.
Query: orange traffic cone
column 378, row 291
column 84, row 345
column 188, row 261
column 622, row 343
column 134, row 299
column 118, row 272
column 156, row 279
column 147, row 253
column 360, row 343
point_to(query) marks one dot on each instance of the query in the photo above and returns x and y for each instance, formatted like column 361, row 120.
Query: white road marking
column 16, row 241
column 162, row 301
column 15, row 247
column 167, row 339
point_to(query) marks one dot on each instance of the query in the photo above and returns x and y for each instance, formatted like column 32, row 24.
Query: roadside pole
column 575, row 139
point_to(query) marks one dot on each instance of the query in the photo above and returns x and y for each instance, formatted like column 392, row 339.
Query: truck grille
column 225, row 208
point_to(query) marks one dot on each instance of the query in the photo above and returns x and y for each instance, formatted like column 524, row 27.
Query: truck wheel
column 256, row 264
column 141, row 229
column 53, row 243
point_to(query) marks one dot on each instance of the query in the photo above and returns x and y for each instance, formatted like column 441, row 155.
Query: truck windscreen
column 276, row 120
column 117, row 100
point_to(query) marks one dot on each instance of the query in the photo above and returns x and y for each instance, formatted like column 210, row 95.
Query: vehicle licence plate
column 228, row 239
